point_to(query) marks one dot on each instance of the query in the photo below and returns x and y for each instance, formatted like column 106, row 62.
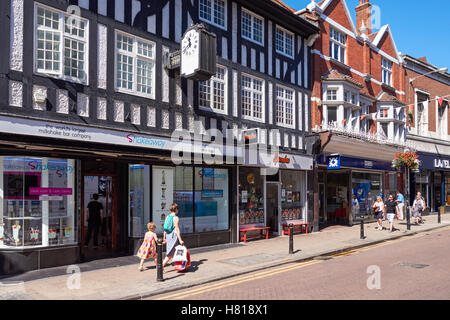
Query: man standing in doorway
column 400, row 206
column 94, row 217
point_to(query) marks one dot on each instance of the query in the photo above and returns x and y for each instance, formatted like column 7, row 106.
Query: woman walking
column 172, row 233
column 418, row 207
column 378, row 208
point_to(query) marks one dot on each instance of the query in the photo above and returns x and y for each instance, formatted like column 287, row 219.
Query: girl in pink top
column 148, row 247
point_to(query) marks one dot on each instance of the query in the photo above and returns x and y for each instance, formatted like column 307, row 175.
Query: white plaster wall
column 39, row 91
column 165, row 79
column 119, row 111
column 102, row 7
column 102, row 105
column 151, row 117
column 120, row 10
column 83, row 105
column 15, row 93
column 191, row 123
column 136, row 114
column 62, row 101
column 178, row 121
column 166, row 20
column 102, row 55
column 165, row 119
column 16, row 45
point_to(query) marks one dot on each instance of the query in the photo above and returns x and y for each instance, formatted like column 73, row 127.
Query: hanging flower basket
column 406, row 159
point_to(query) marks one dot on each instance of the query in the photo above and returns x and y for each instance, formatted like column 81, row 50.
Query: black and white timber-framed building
column 89, row 108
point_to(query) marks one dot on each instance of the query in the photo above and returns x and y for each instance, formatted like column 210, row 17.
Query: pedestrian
column 148, row 247
column 390, row 208
column 400, row 206
column 369, row 202
column 418, row 207
column 94, row 217
column 378, row 208
column 355, row 206
column 172, row 233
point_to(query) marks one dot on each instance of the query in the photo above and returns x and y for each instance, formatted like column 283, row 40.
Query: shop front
column 273, row 198
column 47, row 184
column 433, row 181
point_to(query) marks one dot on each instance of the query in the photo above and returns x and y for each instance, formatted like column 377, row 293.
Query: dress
column 148, row 247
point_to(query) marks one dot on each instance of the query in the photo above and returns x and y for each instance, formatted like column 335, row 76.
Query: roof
column 334, row 74
column 284, row 5
column 386, row 97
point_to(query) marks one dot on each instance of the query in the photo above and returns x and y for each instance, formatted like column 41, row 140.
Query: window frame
column 252, row 91
column 63, row 36
column 253, row 17
column 335, row 94
column 211, row 13
column 285, row 31
column 284, row 100
column 386, row 69
column 335, row 108
column 211, row 108
column 134, row 54
column 342, row 52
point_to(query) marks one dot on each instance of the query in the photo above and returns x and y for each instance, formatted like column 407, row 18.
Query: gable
column 337, row 10
column 385, row 44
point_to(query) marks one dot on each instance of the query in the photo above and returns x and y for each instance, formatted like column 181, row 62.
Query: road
column 412, row 268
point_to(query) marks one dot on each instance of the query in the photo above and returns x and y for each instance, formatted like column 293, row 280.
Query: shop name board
column 278, row 159
column 50, row 191
column 444, row 164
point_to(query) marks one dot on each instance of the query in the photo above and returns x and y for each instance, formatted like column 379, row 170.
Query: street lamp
column 437, row 70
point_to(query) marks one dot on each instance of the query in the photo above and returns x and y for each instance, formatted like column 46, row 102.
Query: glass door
column 273, row 206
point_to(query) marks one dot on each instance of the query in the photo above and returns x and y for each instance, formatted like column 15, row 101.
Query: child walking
column 148, row 247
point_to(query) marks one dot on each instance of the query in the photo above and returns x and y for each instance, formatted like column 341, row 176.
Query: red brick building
column 357, row 107
column 427, row 90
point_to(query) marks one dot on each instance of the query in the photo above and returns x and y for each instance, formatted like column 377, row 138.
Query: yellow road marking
column 237, row 281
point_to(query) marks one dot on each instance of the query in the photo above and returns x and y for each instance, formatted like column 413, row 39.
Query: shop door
column 105, row 188
column 273, row 206
column 322, row 203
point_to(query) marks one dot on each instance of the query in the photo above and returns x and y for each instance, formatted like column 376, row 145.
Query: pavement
column 124, row 281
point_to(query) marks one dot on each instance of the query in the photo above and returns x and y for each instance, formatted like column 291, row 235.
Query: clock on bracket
column 198, row 53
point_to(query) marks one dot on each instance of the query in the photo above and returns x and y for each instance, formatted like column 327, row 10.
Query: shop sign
column 334, row 162
column 368, row 164
column 212, row 193
column 278, row 159
column 442, row 164
column 50, row 191
column 50, row 198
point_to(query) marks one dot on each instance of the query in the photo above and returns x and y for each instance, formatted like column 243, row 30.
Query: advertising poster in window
column 162, row 195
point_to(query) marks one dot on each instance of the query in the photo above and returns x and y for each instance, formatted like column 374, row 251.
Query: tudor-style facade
column 357, row 109
column 91, row 98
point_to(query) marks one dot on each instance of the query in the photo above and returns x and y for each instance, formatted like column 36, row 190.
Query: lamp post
column 425, row 74
column 408, row 211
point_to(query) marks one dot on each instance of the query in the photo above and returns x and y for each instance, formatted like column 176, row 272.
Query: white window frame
column 213, row 79
column 284, row 100
column 252, row 90
column 385, row 70
column 382, row 110
column 252, row 29
column 336, row 94
column 328, row 113
column 63, row 35
column 285, row 32
column 211, row 14
column 342, row 46
column 135, row 56
column 442, row 121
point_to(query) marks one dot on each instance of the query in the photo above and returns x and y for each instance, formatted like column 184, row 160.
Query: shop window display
column 292, row 196
column 139, row 198
column 37, row 204
column 366, row 188
column 251, row 197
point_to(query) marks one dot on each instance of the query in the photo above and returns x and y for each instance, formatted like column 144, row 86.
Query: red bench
column 260, row 235
column 302, row 225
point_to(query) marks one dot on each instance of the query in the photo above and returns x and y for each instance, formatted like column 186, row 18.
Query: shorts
column 379, row 215
column 416, row 214
column 390, row 217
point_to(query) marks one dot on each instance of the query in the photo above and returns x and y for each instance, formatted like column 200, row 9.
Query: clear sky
column 420, row 27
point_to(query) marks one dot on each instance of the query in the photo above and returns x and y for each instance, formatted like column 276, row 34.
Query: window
column 332, row 114
column 347, row 96
column 135, row 65
column 442, row 119
column 60, row 47
column 285, row 107
column 337, row 45
column 213, row 11
column 284, row 42
column 386, row 71
column 212, row 93
column 384, row 129
column 252, row 27
column 252, row 98
column 331, row 95
column 384, row 113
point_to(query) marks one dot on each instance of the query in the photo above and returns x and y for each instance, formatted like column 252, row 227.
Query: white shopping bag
column 180, row 254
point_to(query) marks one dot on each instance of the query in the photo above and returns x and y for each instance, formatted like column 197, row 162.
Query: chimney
column 364, row 17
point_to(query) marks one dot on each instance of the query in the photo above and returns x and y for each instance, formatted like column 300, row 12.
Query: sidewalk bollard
column 159, row 268
column 291, row 238
column 362, row 228
column 439, row 215
column 408, row 219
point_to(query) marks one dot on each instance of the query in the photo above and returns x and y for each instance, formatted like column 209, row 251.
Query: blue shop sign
column 334, row 162
column 348, row 162
column 434, row 161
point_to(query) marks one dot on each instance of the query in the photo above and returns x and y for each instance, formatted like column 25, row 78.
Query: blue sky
column 420, row 28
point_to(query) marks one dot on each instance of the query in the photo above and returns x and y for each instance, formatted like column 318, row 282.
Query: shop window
column 332, row 114
column 37, row 205
column 366, row 187
column 292, row 196
column 211, row 199
column 251, row 197
column 139, row 199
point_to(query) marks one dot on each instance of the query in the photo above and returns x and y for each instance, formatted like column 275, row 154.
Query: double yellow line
column 233, row 282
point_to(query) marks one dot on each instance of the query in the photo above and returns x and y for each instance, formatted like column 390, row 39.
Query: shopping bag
column 180, row 254
column 183, row 266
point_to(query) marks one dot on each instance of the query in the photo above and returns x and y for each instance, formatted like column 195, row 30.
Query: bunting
column 441, row 102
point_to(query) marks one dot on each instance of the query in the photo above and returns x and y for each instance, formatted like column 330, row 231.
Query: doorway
column 104, row 186
column 273, row 206
column 322, row 204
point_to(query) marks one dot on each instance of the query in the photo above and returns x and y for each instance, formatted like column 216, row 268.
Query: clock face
column 190, row 51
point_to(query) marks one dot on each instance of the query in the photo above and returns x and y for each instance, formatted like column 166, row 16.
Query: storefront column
column 443, row 194
column 44, row 184
column 349, row 198
column 432, row 192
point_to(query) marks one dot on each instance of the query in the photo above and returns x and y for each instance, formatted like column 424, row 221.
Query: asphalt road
column 411, row 268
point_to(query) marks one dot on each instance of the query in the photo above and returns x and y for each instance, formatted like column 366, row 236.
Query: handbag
column 180, row 254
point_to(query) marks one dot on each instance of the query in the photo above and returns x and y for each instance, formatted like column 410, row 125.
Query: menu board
column 162, row 195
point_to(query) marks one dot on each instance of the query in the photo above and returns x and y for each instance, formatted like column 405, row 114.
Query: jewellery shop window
column 251, row 197
column 38, row 202
column 292, row 196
